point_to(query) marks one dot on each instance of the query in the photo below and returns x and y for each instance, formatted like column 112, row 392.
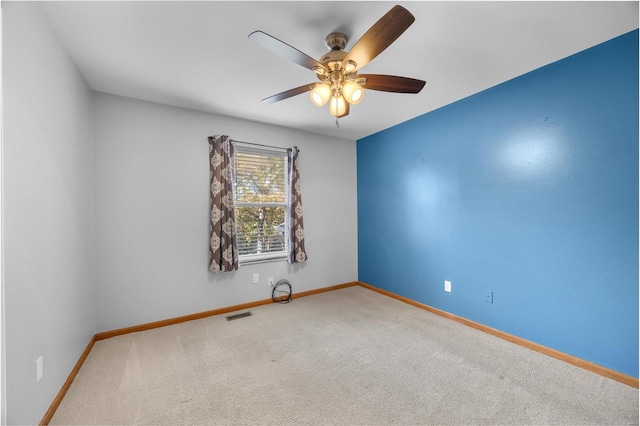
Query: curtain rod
column 259, row 144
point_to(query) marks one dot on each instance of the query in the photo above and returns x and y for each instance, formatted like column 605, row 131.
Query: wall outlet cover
column 447, row 286
column 39, row 369
column 488, row 296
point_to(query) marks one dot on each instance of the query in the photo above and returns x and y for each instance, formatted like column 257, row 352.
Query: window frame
column 240, row 147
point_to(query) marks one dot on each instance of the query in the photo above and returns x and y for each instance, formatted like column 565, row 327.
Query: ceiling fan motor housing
column 333, row 59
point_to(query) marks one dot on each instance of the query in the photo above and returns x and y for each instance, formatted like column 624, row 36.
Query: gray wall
column 106, row 212
column 48, row 212
column 152, row 202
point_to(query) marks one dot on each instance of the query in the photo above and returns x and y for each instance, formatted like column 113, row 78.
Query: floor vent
column 238, row 316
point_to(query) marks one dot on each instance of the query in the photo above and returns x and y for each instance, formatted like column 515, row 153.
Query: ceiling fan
column 340, row 85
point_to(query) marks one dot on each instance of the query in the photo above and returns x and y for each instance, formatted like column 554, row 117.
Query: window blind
column 260, row 202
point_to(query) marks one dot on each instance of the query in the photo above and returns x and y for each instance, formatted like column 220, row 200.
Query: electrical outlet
column 39, row 369
column 256, row 278
column 271, row 281
column 447, row 286
column 488, row 296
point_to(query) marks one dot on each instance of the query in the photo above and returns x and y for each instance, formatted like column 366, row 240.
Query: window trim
column 240, row 147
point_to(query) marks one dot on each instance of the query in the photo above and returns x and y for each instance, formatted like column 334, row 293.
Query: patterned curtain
column 296, row 232
column 223, row 249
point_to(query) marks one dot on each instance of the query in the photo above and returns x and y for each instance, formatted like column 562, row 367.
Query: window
column 260, row 188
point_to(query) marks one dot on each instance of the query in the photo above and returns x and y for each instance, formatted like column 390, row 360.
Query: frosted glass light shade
column 337, row 106
column 349, row 67
column 320, row 94
column 353, row 92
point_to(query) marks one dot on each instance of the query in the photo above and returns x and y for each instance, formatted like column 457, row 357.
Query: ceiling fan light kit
column 352, row 92
column 320, row 94
column 340, row 85
column 338, row 107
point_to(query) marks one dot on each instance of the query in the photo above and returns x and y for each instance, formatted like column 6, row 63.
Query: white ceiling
column 197, row 54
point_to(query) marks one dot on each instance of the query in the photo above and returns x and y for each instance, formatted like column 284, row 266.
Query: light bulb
column 320, row 94
column 337, row 106
column 352, row 92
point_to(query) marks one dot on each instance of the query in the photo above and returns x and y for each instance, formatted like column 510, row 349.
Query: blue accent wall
column 528, row 189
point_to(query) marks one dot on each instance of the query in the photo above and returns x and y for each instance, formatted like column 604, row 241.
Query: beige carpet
column 350, row 356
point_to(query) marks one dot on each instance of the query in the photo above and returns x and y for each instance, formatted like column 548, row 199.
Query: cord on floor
column 281, row 292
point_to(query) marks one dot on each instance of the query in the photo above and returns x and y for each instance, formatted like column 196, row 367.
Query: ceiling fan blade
column 283, row 49
column 289, row 93
column 392, row 83
column 380, row 36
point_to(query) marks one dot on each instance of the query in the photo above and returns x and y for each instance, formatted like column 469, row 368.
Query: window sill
column 262, row 258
